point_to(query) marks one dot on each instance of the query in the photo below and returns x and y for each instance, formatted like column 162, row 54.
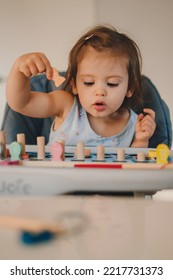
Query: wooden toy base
column 89, row 175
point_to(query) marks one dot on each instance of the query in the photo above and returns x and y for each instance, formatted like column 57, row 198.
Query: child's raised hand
column 34, row 63
column 145, row 126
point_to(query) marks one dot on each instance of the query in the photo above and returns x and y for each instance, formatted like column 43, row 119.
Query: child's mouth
column 99, row 106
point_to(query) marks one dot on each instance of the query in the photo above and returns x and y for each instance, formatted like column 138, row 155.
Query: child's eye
column 112, row 84
column 88, row 83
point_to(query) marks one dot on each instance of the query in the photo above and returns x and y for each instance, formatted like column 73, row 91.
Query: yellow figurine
column 162, row 153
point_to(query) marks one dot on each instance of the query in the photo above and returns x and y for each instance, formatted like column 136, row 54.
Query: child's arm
column 19, row 96
column 145, row 127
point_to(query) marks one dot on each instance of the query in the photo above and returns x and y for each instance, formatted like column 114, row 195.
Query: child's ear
column 129, row 93
column 74, row 88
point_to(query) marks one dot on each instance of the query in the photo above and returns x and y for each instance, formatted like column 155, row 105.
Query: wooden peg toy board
column 46, row 177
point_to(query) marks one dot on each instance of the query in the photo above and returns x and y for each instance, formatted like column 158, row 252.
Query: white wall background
column 150, row 24
column 53, row 26
column 49, row 26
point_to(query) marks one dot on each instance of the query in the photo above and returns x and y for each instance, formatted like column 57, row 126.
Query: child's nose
column 100, row 91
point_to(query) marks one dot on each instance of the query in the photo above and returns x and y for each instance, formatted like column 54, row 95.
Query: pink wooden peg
column 57, row 151
column 57, row 78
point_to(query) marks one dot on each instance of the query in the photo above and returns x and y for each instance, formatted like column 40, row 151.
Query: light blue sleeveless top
column 76, row 128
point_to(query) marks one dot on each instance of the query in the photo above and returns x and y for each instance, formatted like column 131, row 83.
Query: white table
column 113, row 228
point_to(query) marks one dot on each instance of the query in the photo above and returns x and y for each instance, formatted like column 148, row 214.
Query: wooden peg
column 1, row 151
column 21, row 140
column 121, row 154
column 57, row 78
column 3, row 143
column 41, row 147
column 15, row 150
column 57, row 151
column 100, row 153
column 30, row 224
column 80, row 151
column 141, row 156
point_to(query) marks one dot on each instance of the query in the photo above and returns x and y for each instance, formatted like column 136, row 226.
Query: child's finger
column 148, row 125
column 25, row 69
column 149, row 120
column 140, row 117
column 34, row 69
column 150, row 112
column 48, row 67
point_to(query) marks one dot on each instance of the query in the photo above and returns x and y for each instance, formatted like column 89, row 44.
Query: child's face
column 101, row 82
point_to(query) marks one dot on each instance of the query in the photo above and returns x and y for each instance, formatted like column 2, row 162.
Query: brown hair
column 104, row 38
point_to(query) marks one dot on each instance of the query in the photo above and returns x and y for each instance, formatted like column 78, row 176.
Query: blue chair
column 14, row 123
